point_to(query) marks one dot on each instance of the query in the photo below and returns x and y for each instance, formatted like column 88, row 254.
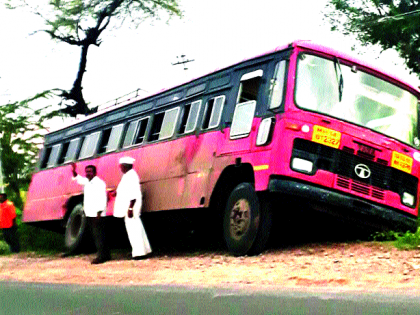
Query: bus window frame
column 95, row 146
column 63, row 152
column 130, row 143
column 76, row 151
column 53, row 156
column 197, row 117
column 159, row 133
column 258, row 71
column 117, row 146
column 206, row 108
column 177, row 109
column 270, row 88
column 245, row 134
column 136, row 132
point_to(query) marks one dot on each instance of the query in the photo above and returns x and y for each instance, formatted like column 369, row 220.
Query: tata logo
column 362, row 171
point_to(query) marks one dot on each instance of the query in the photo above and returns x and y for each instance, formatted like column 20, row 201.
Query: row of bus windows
column 163, row 127
column 164, row 123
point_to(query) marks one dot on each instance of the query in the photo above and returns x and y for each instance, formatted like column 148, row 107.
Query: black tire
column 264, row 228
column 76, row 230
column 242, row 221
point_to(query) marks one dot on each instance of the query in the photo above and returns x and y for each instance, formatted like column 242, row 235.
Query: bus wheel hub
column 240, row 219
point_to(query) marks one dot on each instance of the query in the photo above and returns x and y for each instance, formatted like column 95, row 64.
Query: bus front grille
column 343, row 163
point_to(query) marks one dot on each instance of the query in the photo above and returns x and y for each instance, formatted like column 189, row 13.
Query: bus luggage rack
column 122, row 100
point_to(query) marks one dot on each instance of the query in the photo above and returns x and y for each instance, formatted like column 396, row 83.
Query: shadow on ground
column 178, row 234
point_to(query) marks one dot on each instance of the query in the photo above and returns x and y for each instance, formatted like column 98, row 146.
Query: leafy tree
column 82, row 22
column 21, row 128
column 387, row 23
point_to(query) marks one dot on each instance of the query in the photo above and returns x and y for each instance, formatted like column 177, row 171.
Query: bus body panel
column 184, row 170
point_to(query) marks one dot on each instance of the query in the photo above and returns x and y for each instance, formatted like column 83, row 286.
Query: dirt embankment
column 358, row 266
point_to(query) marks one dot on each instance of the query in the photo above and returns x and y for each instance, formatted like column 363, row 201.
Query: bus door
column 249, row 94
column 200, row 148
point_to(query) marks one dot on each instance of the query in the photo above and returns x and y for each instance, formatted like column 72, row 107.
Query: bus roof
column 305, row 44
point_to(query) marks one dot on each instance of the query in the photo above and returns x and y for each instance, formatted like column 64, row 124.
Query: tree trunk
column 76, row 93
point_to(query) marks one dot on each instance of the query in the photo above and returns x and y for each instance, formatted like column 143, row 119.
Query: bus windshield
column 328, row 87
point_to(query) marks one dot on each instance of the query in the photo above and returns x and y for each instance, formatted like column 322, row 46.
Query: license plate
column 401, row 162
column 326, row 136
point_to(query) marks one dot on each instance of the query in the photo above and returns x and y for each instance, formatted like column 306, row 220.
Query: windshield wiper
column 339, row 76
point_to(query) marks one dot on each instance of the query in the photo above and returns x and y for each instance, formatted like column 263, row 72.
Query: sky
column 213, row 33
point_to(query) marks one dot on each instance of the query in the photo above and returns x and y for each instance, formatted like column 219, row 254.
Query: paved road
column 30, row 298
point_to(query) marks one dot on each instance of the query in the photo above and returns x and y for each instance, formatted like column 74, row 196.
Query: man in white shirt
column 127, row 205
column 94, row 205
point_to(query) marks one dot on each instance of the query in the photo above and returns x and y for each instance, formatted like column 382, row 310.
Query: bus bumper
column 350, row 208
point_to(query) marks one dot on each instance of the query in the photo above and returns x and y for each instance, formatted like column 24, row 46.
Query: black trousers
column 98, row 230
column 11, row 238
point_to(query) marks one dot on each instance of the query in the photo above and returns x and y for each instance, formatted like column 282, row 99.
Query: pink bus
column 302, row 122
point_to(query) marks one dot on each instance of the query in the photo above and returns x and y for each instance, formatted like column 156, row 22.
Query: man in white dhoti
column 127, row 205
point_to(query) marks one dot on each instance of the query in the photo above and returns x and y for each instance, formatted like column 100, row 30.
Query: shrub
column 385, row 236
column 4, row 248
column 408, row 240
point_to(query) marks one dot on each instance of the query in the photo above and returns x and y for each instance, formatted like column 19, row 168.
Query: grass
column 403, row 241
column 39, row 240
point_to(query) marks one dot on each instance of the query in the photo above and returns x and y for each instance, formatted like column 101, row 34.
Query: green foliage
column 404, row 241
column 4, row 248
column 385, row 236
column 387, row 23
column 21, row 132
column 408, row 240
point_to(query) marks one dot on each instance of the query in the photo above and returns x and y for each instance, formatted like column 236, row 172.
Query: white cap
column 127, row 160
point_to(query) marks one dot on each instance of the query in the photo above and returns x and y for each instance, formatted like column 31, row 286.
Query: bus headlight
column 408, row 199
column 302, row 165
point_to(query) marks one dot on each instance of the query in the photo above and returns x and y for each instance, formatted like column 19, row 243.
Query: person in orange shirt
column 8, row 223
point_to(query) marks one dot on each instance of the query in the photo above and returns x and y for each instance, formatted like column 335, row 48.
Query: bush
column 385, row 236
column 4, row 248
column 408, row 240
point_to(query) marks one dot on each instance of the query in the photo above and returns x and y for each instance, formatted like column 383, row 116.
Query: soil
column 356, row 266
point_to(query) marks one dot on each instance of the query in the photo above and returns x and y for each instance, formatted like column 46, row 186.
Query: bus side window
column 213, row 112
column 163, row 126
column 246, row 104
column 52, row 160
column 277, row 85
column 106, row 133
column 63, row 153
column 249, row 86
column 190, row 117
column 72, row 150
column 114, row 138
column 242, row 119
column 129, row 135
column 141, row 130
column 156, row 126
column 89, row 145
column 46, row 157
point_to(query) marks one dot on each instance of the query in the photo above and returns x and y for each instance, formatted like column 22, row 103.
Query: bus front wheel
column 75, row 231
column 242, row 220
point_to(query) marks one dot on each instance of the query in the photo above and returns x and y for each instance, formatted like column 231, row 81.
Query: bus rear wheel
column 244, row 221
column 75, row 230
